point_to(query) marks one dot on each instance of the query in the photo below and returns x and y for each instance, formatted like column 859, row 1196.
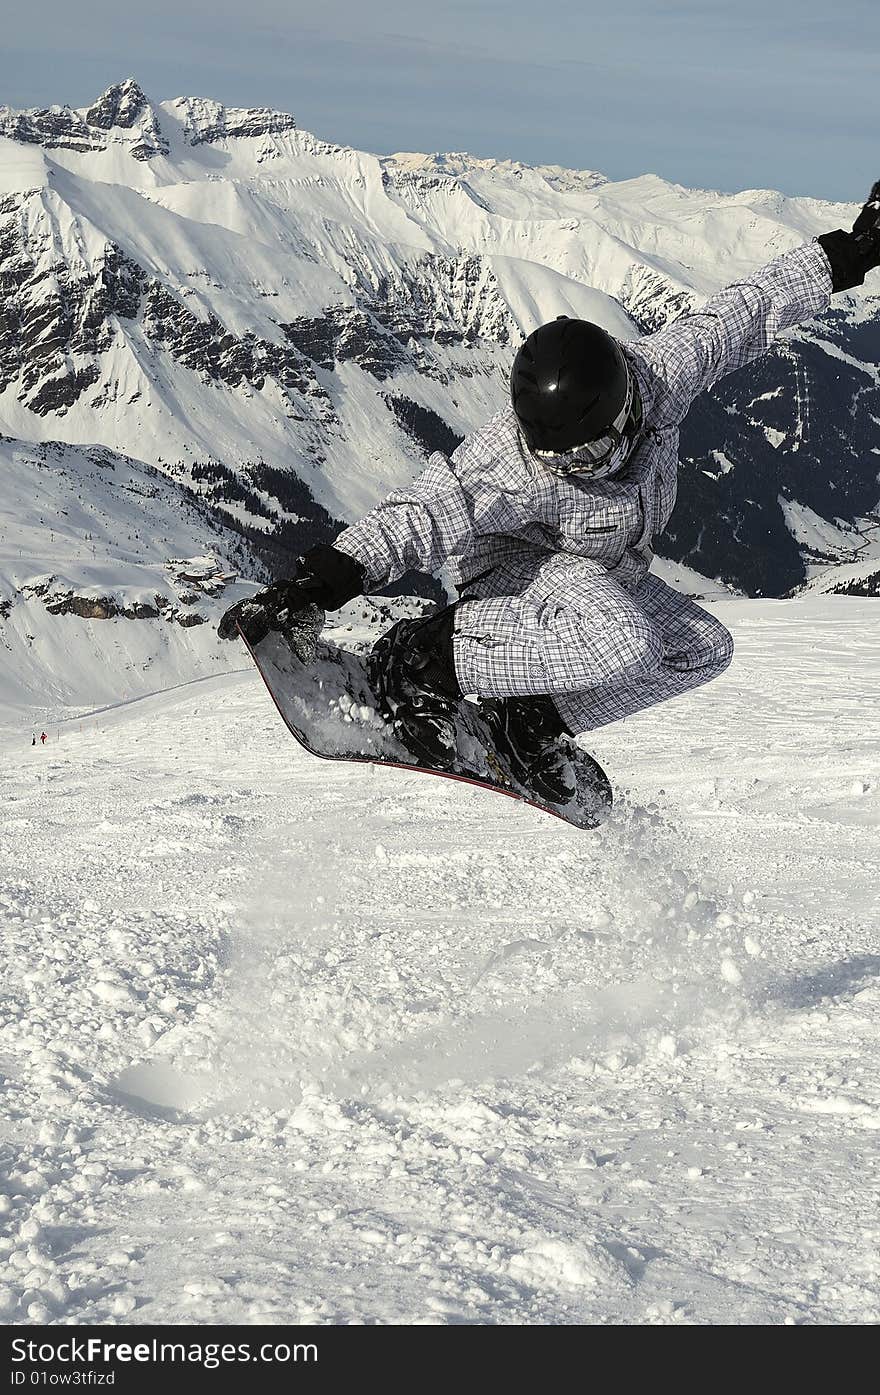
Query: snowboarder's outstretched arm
column 743, row 320
column 416, row 528
column 420, row 526
column 734, row 326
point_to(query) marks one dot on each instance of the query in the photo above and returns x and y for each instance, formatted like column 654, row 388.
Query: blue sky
column 780, row 94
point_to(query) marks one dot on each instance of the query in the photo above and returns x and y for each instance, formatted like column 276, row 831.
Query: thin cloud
column 779, row 95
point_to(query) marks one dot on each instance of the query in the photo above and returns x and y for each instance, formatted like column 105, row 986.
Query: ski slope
column 288, row 1041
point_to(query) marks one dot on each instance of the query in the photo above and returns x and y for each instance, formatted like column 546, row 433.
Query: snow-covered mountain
column 89, row 535
column 283, row 327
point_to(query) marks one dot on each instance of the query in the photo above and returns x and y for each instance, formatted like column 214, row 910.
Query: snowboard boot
column 413, row 672
column 527, row 733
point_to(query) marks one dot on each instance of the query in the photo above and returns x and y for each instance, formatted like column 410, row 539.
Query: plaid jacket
column 492, row 504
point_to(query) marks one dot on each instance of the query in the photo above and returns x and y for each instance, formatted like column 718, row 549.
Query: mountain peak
column 120, row 105
column 457, row 164
column 123, row 107
column 206, row 120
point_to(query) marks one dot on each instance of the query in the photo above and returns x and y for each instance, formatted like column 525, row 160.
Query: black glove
column 324, row 579
column 853, row 254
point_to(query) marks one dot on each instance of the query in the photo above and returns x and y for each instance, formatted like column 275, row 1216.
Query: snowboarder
column 43, row 738
column 548, row 514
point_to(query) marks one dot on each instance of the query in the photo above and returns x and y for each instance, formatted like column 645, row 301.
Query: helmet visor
column 605, row 453
column 574, row 463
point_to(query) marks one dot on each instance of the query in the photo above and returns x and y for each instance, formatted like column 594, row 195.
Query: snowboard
column 324, row 695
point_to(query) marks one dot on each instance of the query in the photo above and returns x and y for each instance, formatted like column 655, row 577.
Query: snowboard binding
column 533, row 743
column 416, row 687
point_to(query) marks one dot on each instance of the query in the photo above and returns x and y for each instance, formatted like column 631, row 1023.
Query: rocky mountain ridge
column 286, row 327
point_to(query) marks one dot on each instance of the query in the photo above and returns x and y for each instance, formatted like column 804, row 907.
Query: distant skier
column 43, row 738
column 34, row 739
column 548, row 514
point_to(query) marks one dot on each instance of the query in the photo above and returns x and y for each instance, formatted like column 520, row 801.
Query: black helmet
column 570, row 386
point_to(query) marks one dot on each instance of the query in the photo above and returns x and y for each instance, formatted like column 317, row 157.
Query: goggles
column 606, row 453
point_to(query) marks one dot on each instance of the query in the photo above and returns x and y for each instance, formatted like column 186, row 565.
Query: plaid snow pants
column 562, row 625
